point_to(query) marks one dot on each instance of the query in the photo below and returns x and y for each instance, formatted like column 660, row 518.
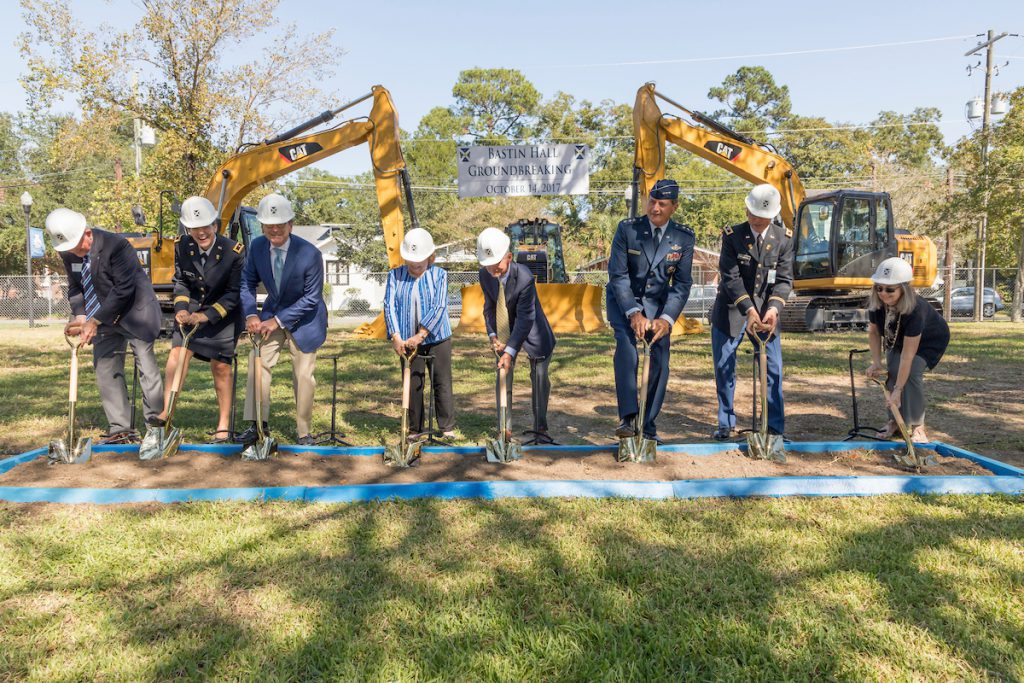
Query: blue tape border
column 1006, row 479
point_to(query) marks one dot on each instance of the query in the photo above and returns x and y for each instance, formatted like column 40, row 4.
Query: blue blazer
column 642, row 275
column 432, row 287
column 528, row 326
column 298, row 300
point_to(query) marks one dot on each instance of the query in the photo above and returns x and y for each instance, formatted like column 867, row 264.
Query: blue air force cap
column 665, row 189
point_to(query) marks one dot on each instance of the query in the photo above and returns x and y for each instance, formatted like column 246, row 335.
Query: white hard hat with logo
column 764, row 201
column 65, row 228
column 418, row 245
column 893, row 271
column 274, row 210
column 491, row 246
column 197, row 212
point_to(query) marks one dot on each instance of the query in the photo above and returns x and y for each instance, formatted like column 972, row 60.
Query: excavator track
column 814, row 313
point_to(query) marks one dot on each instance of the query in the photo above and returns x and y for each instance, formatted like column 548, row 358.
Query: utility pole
column 947, row 301
column 982, row 234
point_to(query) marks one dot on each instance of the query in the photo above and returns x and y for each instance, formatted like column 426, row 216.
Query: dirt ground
column 204, row 470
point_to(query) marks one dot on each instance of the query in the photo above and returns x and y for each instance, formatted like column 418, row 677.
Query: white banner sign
column 523, row 170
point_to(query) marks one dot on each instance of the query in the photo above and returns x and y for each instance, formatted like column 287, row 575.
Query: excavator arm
column 736, row 153
column 291, row 151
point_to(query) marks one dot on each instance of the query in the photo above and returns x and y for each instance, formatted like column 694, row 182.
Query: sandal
column 218, row 439
column 889, row 430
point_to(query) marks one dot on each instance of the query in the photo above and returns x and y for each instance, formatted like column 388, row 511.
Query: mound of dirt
column 192, row 469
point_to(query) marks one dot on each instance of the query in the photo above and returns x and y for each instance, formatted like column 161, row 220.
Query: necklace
column 892, row 328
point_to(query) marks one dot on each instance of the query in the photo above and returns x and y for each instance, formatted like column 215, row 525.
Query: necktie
column 92, row 302
column 501, row 315
column 278, row 266
column 657, row 236
column 760, row 241
column 202, row 260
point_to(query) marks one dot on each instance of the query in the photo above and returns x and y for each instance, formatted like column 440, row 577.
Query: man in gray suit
column 516, row 323
column 113, row 305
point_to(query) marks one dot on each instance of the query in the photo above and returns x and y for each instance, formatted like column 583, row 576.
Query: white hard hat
column 764, row 201
column 491, row 246
column 197, row 212
column 893, row 271
column 274, row 210
column 66, row 228
column 418, row 245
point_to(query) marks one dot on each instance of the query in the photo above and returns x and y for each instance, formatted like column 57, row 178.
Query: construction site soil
column 193, row 469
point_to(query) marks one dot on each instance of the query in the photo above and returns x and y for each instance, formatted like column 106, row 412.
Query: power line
column 789, row 53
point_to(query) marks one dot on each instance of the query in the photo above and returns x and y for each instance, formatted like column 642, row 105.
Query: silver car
column 962, row 301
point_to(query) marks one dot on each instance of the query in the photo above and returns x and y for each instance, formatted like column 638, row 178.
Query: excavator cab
column 841, row 237
column 537, row 244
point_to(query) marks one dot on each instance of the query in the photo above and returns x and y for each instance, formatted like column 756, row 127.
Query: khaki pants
column 303, row 381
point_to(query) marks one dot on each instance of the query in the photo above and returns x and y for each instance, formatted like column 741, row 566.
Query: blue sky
column 590, row 50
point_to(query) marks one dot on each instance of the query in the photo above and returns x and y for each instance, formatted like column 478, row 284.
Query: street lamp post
column 26, row 204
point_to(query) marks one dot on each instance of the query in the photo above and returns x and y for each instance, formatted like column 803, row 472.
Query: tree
column 912, row 140
column 201, row 105
column 754, row 103
column 497, row 105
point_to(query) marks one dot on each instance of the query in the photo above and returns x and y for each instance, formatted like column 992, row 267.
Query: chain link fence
column 361, row 300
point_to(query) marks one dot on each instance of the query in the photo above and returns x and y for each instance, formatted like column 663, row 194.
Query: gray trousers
column 540, row 390
column 912, row 403
column 108, row 361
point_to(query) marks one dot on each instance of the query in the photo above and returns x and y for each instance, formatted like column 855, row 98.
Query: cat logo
column 292, row 153
column 723, row 149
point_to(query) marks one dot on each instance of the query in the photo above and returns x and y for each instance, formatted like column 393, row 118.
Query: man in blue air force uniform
column 756, row 269
column 648, row 284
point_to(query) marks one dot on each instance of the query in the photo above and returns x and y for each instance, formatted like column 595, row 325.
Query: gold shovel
column 638, row 448
column 911, row 458
column 264, row 445
column 502, row 449
column 404, row 454
column 163, row 442
column 761, row 445
column 58, row 452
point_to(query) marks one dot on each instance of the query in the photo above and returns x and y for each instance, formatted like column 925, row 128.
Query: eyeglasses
column 887, row 290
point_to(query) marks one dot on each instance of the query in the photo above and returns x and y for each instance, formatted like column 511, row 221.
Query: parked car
column 702, row 298
column 962, row 301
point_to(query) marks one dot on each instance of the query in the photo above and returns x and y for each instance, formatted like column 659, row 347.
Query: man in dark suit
column 113, row 305
column 648, row 283
column 292, row 270
column 207, row 281
column 516, row 322
column 756, row 270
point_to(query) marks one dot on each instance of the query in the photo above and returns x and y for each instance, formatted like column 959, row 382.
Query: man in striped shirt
column 112, row 305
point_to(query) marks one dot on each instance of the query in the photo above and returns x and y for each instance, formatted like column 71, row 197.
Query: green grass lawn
column 887, row 588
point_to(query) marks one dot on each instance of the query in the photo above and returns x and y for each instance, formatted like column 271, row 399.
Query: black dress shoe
column 248, row 437
column 125, row 436
column 156, row 422
column 722, row 434
column 626, row 428
column 655, row 438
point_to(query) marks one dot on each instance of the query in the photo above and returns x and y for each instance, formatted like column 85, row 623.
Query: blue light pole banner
column 38, row 246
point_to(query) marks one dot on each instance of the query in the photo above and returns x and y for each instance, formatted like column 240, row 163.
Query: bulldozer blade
column 261, row 450
column 403, row 454
column 497, row 450
column 637, row 449
column 766, row 447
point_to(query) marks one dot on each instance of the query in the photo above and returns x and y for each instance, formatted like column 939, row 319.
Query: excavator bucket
column 374, row 329
column 571, row 309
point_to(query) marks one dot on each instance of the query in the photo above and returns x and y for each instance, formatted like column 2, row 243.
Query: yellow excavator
column 841, row 236
column 263, row 162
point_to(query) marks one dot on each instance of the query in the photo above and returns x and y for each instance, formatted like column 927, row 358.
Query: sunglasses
column 887, row 290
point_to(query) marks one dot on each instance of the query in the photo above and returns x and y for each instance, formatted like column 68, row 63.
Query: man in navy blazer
column 112, row 305
column 648, row 283
column 516, row 323
column 292, row 270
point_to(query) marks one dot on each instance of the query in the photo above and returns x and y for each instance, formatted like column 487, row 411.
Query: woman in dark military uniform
column 207, row 281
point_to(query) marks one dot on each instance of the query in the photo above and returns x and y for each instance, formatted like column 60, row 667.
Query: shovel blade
column 83, row 451
column 637, row 449
column 58, row 453
column 170, row 443
column 497, row 450
column 151, row 447
column 766, row 447
column 402, row 455
column 261, row 450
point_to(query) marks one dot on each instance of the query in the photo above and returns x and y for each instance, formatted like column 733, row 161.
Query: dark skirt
column 211, row 343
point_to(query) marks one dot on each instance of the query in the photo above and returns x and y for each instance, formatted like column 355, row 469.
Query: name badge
column 76, row 267
column 771, row 276
column 634, row 252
